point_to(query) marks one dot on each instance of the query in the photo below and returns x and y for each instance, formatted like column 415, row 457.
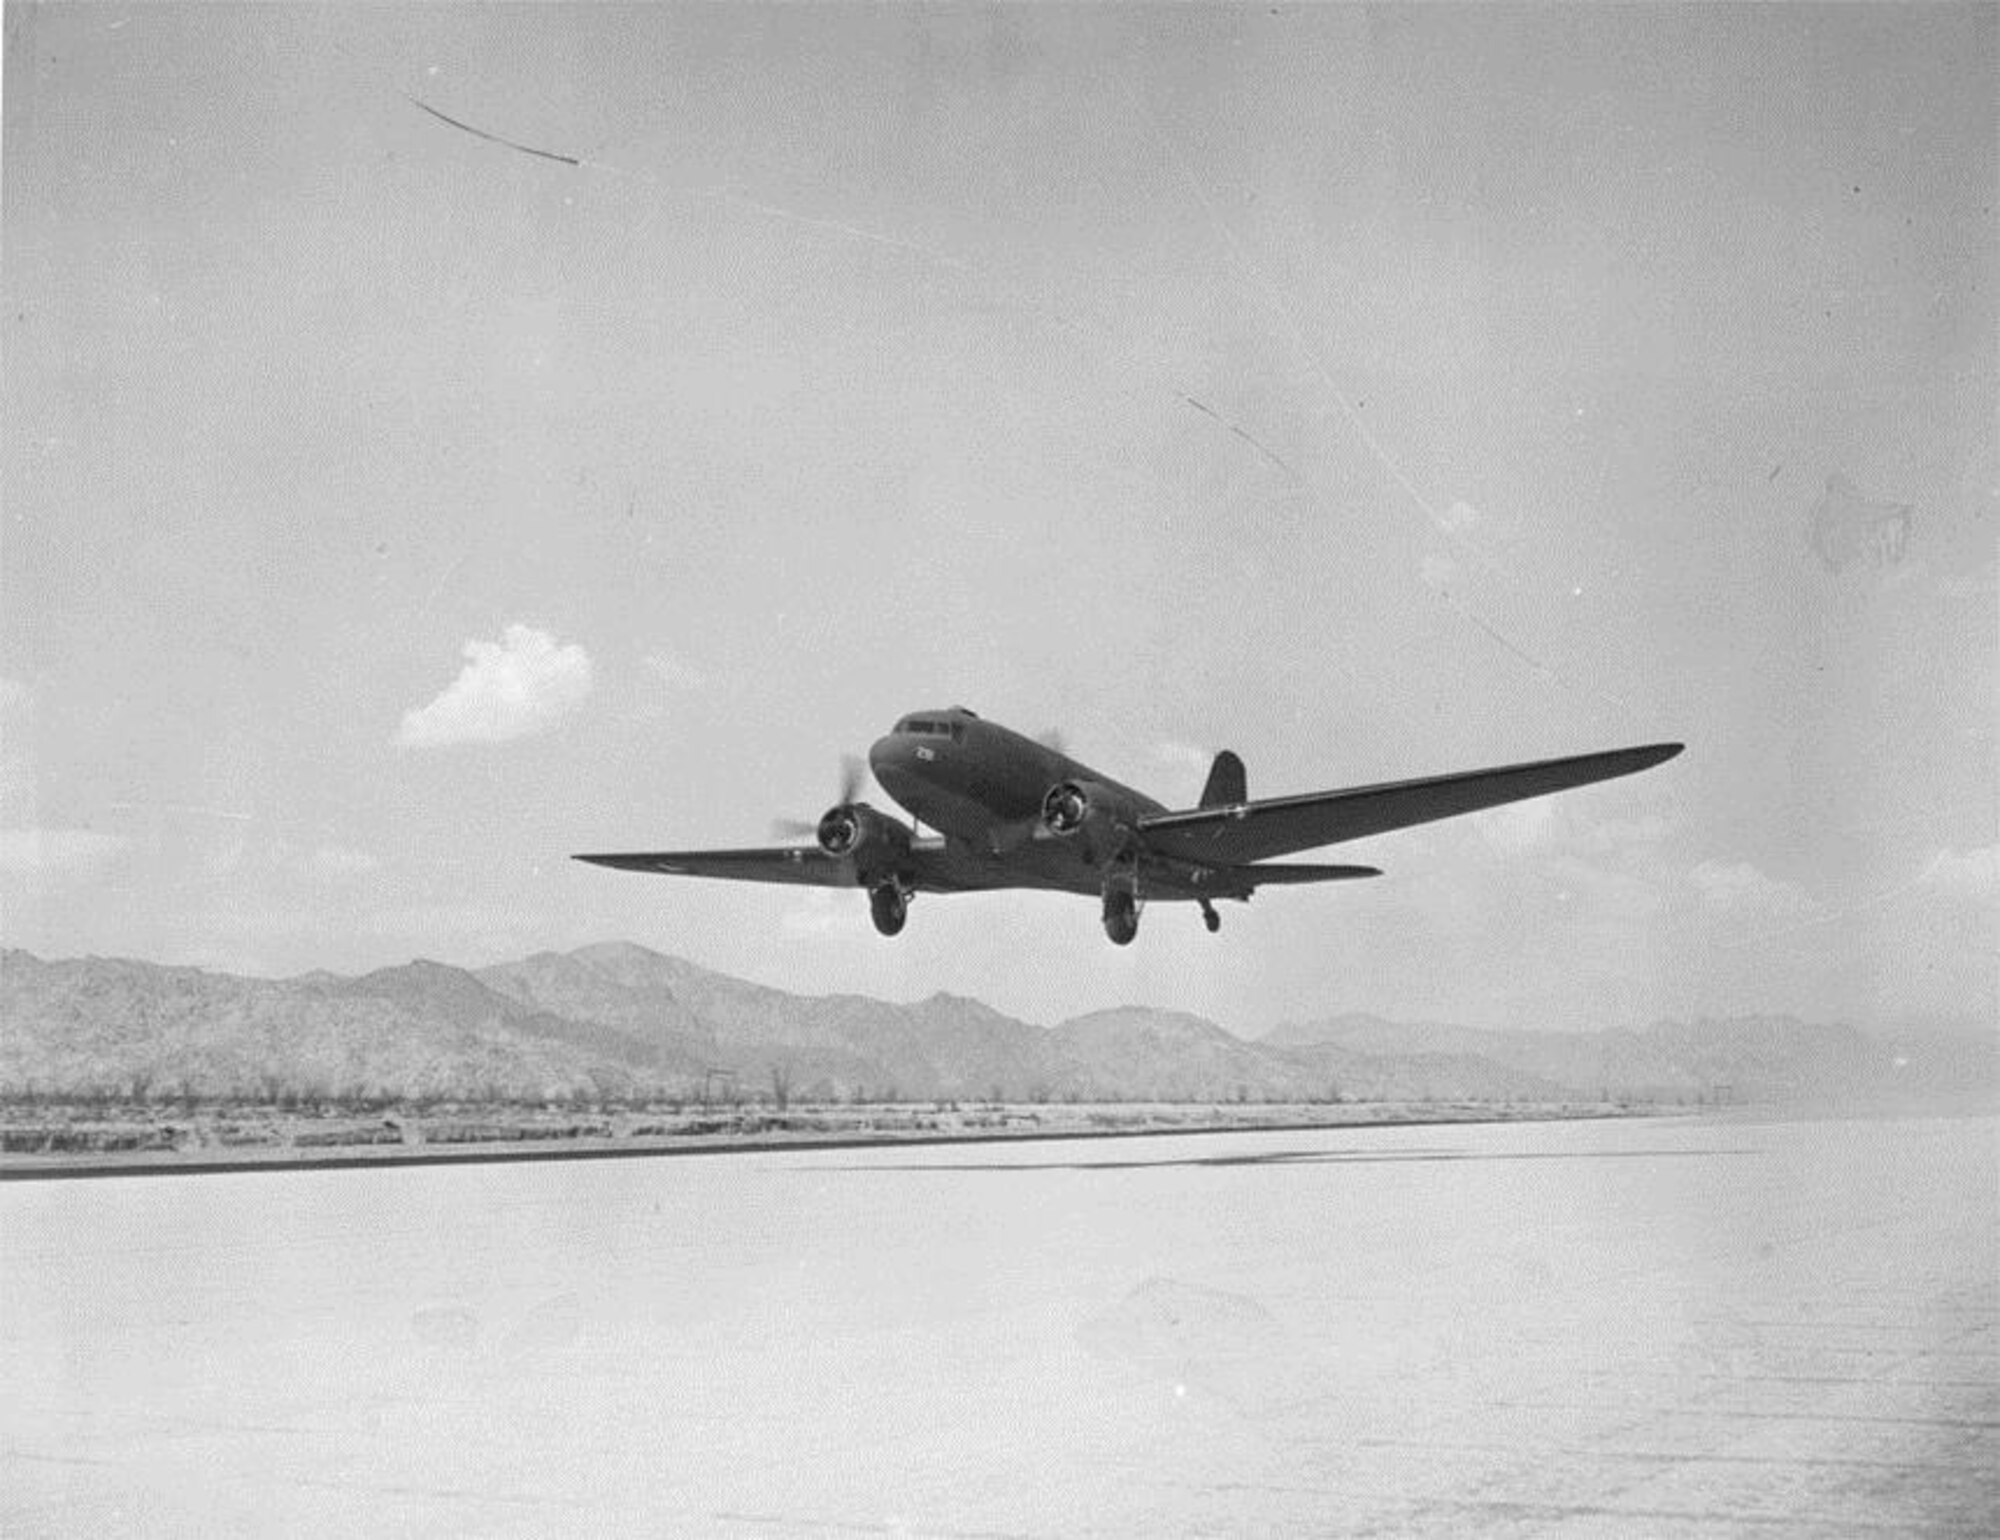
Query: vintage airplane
column 1012, row 812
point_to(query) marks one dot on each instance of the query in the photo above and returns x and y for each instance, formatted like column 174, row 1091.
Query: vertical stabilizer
column 1226, row 785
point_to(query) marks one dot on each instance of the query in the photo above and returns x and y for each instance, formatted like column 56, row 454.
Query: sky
column 391, row 511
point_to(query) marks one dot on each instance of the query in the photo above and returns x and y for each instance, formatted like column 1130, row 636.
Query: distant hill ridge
column 1757, row 1058
column 616, row 1020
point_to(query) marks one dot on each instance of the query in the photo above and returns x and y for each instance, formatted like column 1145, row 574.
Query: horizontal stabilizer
column 1289, row 872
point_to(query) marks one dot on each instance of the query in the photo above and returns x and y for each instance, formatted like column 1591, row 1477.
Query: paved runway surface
column 1661, row 1328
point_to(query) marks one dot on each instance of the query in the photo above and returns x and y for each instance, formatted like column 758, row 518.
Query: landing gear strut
column 1210, row 918
column 889, row 907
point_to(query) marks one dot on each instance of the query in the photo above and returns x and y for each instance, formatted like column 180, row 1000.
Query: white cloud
column 1517, row 825
column 1612, row 899
column 1977, row 584
column 1438, row 571
column 1183, row 755
column 57, row 854
column 508, row 689
column 17, row 790
column 826, row 912
column 1975, row 874
column 1740, row 889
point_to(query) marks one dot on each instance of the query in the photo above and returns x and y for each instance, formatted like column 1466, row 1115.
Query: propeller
column 852, row 772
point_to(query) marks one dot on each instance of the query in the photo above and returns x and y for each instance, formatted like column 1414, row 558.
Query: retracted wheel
column 888, row 907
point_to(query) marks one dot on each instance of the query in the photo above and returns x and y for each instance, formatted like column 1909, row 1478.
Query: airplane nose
column 889, row 760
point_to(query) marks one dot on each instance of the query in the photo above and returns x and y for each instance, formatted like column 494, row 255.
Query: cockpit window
column 925, row 726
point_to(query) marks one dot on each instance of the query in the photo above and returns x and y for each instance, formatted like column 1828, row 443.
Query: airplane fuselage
column 975, row 781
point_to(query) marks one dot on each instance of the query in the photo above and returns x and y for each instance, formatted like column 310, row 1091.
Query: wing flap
column 1255, row 831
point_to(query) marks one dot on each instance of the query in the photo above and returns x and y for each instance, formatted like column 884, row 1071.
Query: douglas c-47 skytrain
column 1011, row 812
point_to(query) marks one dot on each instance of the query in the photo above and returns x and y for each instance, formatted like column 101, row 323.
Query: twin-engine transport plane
column 1012, row 812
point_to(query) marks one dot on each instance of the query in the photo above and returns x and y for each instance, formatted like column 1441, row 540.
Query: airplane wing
column 1243, row 832
column 797, row 865
column 804, row 865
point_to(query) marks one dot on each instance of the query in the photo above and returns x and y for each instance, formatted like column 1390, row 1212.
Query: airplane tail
column 1226, row 782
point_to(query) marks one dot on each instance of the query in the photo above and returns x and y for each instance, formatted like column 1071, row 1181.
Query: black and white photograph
column 998, row 771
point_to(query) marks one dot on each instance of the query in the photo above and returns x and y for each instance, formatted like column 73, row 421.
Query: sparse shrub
column 329, row 1138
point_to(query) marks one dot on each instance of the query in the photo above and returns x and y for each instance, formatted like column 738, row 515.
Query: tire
column 888, row 909
column 1121, row 917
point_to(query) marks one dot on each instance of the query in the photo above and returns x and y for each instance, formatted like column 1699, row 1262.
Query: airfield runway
column 1658, row 1327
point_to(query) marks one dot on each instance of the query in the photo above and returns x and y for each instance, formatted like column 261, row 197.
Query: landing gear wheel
column 1210, row 918
column 889, row 908
column 1121, row 916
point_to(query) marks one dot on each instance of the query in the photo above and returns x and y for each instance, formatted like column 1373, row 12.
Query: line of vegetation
column 718, row 1090
column 115, row 1126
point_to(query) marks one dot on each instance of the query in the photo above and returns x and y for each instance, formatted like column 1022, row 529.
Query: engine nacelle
column 856, row 829
column 1091, row 810
column 1066, row 808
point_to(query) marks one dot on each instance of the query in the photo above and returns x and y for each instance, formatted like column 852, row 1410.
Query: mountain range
column 616, row 1021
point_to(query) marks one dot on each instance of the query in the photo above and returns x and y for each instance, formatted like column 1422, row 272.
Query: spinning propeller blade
column 852, row 771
